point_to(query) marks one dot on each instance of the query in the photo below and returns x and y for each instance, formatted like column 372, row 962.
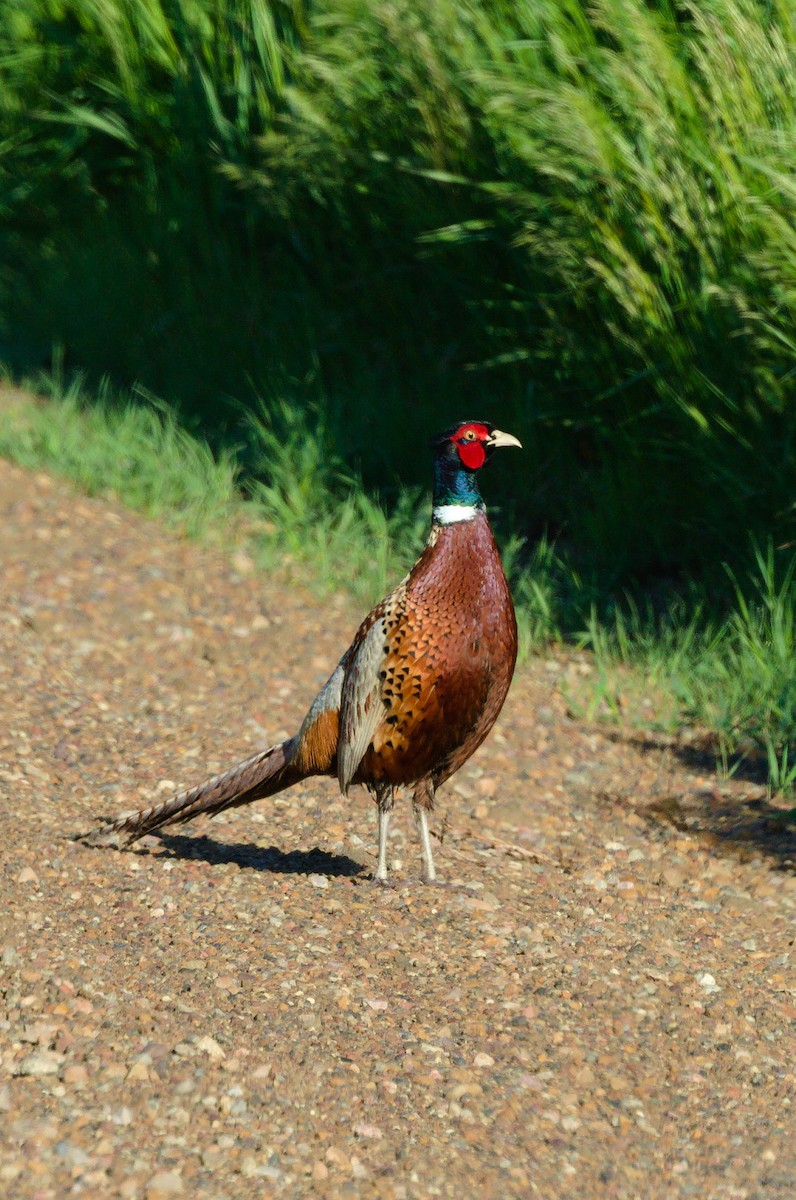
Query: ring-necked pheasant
column 419, row 688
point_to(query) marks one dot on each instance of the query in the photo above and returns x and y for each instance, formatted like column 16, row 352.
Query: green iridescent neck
column 453, row 484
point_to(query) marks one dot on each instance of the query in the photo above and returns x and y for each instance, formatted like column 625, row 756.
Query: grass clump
column 319, row 511
column 746, row 689
column 137, row 453
column 733, row 677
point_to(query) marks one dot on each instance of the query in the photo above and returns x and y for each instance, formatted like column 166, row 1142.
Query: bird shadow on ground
column 723, row 822
column 257, row 858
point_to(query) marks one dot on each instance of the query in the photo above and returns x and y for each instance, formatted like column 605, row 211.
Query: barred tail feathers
column 264, row 774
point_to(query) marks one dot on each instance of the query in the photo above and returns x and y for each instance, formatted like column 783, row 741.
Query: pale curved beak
column 498, row 438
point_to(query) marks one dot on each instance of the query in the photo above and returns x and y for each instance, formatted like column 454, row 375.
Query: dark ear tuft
column 440, row 439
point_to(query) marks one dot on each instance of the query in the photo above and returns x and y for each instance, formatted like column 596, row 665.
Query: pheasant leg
column 428, row 872
column 381, row 866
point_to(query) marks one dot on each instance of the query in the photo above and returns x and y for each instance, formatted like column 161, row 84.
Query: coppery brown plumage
column 419, row 688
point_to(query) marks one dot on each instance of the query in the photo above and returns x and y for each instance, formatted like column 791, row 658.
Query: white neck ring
column 450, row 514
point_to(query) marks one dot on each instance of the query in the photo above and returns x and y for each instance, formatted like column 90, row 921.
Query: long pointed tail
column 261, row 775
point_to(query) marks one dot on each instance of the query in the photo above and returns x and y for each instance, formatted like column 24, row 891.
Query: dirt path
column 608, row 1010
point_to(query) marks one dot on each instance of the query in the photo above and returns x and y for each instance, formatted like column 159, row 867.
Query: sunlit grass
column 137, row 453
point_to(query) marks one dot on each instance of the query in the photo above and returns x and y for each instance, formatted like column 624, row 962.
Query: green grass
column 138, row 454
column 298, row 509
column 321, row 515
column 732, row 677
column 576, row 219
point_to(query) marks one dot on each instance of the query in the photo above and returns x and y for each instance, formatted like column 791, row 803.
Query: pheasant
column 419, row 688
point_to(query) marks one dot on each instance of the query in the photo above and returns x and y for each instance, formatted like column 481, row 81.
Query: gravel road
column 600, row 1003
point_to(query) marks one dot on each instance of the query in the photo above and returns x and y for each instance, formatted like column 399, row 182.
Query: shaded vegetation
column 577, row 219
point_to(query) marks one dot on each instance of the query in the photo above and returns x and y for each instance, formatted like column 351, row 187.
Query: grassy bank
column 577, row 219
column 733, row 676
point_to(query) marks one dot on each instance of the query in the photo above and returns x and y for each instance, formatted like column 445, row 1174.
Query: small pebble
column 42, row 1062
column 164, row 1183
column 209, row 1046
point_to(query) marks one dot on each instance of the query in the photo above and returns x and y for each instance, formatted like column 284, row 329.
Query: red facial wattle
column 469, row 442
column 472, row 454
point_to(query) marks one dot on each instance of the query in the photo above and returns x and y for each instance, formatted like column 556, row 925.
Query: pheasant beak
column 498, row 438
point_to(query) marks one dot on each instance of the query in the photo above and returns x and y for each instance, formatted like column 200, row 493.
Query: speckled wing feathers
column 361, row 707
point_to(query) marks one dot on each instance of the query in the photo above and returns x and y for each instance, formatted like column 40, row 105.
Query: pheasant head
column 459, row 454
